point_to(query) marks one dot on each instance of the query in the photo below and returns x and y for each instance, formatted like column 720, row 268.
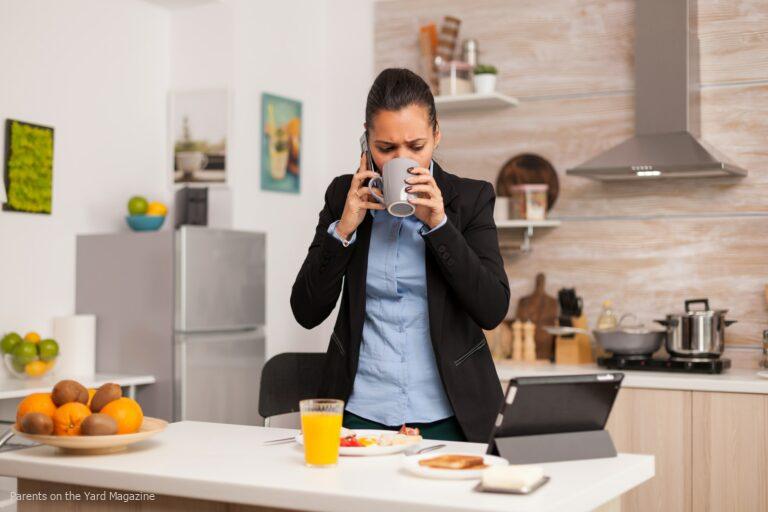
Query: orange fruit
column 32, row 336
column 68, row 417
column 157, row 208
column 126, row 412
column 36, row 402
column 36, row 368
column 91, row 392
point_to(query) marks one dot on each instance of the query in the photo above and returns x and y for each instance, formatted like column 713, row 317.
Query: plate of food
column 366, row 443
column 451, row 466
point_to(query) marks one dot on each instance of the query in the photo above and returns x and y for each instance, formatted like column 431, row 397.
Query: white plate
column 411, row 465
column 367, row 451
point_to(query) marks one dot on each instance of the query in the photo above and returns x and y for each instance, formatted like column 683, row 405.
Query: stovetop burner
column 672, row 364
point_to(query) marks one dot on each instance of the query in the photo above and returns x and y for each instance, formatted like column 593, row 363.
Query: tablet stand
column 560, row 447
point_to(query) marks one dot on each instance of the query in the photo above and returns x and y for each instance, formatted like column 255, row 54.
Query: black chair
column 288, row 378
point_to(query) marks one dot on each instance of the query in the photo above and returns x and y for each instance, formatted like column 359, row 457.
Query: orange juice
column 321, row 437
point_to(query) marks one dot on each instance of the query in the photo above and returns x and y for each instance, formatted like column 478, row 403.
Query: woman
column 416, row 292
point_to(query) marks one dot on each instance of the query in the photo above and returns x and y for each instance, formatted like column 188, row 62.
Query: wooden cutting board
column 542, row 310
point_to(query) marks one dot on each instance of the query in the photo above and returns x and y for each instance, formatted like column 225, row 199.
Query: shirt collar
column 431, row 167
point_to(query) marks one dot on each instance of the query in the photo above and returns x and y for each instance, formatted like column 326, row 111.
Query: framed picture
column 28, row 167
column 280, row 144
column 199, row 122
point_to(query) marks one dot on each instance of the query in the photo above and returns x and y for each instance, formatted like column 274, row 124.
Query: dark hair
column 397, row 88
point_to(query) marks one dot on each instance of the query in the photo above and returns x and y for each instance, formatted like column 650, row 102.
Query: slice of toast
column 454, row 462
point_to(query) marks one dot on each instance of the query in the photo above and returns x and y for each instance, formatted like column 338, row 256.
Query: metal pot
column 630, row 340
column 696, row 333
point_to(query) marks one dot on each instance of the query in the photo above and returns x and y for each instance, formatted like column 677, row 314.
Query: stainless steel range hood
column 667, row 125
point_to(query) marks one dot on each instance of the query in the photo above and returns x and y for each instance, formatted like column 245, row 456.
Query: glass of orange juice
column 321, row 427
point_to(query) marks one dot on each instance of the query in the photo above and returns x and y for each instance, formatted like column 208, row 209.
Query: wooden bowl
column 95, row 445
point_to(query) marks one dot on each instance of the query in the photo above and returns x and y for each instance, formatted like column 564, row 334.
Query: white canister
column 501, row 209
column 485, row 83
column 76, row 336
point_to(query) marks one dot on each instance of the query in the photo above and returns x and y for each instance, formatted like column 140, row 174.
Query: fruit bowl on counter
column 29, row 357
column 144, row 215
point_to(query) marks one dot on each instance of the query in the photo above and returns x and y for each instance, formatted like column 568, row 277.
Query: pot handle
column 696, row 301
column 730, row 322
column 667, row 323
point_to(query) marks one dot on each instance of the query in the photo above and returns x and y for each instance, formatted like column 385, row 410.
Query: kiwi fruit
column 98, row 424
column 66, row 391
column 105, row 394
column 37, row 423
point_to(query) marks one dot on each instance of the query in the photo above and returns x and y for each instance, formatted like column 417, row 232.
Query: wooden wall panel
column 651, row 267
column 541, row 47
column 733, row 40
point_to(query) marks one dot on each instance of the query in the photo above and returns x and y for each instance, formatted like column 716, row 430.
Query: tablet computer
column 541, row 406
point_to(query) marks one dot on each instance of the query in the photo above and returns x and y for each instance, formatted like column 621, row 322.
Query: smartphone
column 367, row 150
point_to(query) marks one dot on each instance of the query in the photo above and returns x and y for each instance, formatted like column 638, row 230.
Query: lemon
column 36, row 368
column 32, row 336
column 157, row 208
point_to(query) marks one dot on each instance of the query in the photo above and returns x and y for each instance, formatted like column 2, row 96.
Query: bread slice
column 454, row 462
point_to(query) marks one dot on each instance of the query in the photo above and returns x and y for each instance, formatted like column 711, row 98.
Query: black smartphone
column 365, row 148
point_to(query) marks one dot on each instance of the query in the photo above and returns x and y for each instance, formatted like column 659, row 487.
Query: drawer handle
column 471, row 351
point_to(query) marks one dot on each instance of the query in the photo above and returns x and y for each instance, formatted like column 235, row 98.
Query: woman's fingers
column 420, row 179
column 426, row 189
column 371, row 206
column 425, row 201
column 359, row 177
column 419, row 170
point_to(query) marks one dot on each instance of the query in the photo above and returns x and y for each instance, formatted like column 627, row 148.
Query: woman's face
column 405, row 133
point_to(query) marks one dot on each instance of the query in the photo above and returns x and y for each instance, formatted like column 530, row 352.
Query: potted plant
column 485, row 78
column 190, row 154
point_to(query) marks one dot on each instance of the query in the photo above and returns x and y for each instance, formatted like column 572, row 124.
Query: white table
column 230, row 463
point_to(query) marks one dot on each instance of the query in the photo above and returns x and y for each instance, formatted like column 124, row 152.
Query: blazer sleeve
column 318, row 283
column 471, row 262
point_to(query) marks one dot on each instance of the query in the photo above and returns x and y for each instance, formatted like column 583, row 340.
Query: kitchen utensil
column 630, row 340
column 528, row 168
column 696, row 332
column 764, row 360
column 469, row 51
column 411, row 465
column 575, row 346
column 446, row 41
column 423, row 450
column 96, row 445
column 6, row 436
column 367, row 451
column 280, row 440
column 541, row 309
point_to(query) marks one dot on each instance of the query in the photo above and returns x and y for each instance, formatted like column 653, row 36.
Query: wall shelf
column 474, row 102
column 528, row 227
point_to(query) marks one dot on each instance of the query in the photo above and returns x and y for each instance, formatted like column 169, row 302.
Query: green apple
column 137, row 205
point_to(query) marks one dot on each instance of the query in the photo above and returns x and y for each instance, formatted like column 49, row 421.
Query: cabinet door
column 730, row 452
column 658, row 423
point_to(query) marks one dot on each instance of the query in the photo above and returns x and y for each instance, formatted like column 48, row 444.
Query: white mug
column 393, row 185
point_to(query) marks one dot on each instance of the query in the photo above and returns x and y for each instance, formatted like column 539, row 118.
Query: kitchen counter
column 230, row 463
column 18, row 388
column 734, row 380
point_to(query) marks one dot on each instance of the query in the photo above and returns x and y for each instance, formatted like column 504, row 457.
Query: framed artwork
column 28, row 167
column 199, row 125
column 280, row 144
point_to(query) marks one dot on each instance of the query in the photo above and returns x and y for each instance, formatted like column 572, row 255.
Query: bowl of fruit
column 79, row 420
column 144, row 215
column 29, row 357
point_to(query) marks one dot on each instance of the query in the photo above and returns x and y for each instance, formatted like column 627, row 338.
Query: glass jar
column 529, row 201
column 454, row 78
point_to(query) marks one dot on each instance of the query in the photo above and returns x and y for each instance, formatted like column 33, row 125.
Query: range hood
column 667, row 140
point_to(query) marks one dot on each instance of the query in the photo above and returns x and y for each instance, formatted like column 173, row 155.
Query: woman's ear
column 438, row 136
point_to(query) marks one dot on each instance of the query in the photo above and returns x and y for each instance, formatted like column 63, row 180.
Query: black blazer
column 467, row 291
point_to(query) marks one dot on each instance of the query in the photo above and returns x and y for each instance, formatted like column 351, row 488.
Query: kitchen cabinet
column 658, row 422
column 730, row 452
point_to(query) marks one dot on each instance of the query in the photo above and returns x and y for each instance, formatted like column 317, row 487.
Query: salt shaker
column 764, row 361
column 517, row 341
column 529, row 343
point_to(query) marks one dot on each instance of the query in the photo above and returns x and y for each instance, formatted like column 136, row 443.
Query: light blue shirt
column 397, row 379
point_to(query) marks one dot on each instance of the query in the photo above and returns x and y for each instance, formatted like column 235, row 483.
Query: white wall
column 319, row 52
column 97, row 72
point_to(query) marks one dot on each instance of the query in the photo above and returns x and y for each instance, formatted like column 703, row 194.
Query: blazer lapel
column 436, row 289
column 357, row 272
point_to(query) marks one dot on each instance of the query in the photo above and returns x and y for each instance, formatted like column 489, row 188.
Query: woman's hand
column 359, row 201
column 429, row 200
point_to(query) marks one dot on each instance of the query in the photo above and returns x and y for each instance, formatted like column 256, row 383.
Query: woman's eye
column 417, row 148
column 385, row 150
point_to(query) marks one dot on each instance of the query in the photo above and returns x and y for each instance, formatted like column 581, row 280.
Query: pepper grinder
column 764, row 361
column 517, row 341
column 529, row 344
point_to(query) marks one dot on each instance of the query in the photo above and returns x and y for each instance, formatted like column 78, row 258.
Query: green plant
column 29, row 167
column 485, row 69
column 186, row 143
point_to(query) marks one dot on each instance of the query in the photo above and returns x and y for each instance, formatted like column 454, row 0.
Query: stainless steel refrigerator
column 187, row 306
